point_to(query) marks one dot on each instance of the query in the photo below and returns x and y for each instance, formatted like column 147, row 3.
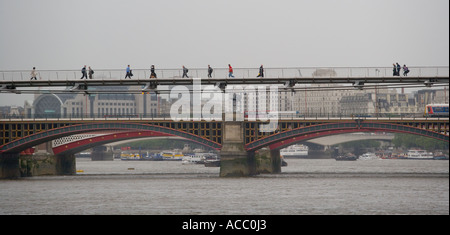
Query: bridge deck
column 229, row 81
column 168, row 119
column 339, row 75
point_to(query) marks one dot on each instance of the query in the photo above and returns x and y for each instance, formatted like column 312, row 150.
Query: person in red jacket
column 230, row 71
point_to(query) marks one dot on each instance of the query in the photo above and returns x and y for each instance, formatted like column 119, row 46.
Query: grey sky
column 56, row 34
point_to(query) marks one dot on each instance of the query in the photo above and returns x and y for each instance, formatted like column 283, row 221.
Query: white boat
column 295, row 151
column 419, row 154
column 368, row 156
column 193, row 159
column 200, row 158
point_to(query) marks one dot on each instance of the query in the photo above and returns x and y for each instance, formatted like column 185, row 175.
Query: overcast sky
column 109, row 34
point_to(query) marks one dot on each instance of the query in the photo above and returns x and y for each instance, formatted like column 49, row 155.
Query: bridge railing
column 297, row 72
column 167, row 116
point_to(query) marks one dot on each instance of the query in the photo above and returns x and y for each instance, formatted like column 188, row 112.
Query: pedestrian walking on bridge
column 84, row 73
column 405, row 70
column 230, row 71
column 91, row 72
column 398, row 69
column 210, row 70
column 129, row 72
column 394, row 70
column 185, row 71
column 33, row 74
column 152, row 72
column 261, row 72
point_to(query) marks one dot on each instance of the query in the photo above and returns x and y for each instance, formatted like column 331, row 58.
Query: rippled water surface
column 322, row 186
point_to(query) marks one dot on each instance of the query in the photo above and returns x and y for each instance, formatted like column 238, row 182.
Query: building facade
column 98, row 105
column 305, row 101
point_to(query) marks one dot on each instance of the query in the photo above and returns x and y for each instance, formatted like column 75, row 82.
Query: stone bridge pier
column 102, row 153
column 236, row 161
column 9, row 166
column 42, row 162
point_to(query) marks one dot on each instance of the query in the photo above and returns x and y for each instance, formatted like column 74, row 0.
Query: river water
column 319, row 186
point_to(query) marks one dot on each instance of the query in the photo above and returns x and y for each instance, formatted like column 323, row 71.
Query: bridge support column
column 268, row 161
column 101, row 153
column 234, row 159
column 65, row 165
column 42, row 162
column 38, row 164
column 45, row 162
column 9, row 166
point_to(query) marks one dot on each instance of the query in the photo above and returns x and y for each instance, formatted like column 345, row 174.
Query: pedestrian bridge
column 289, row 77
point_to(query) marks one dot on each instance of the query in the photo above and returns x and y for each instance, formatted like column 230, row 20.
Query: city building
column 323, row 100
column 97, row 104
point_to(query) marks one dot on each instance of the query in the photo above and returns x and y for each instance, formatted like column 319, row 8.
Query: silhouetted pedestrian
column 152, row 72
column 210, row 70
column 394, row 70
column 185, row 72
column 84, row 73
column 261, row 72
column 398, row 69
column 91, row 72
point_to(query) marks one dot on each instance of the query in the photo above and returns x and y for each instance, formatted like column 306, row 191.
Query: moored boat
column 347, row 157
column 172, row 156
column 419, row 154
column 295, row 151
column 368, row 156
column 130, row 156
column 193, row 159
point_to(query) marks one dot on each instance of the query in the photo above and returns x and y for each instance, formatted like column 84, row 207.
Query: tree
column 416, row 141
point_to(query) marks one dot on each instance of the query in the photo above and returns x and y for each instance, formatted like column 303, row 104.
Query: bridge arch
column 81, row 145
column 286, row 138
column 46, row 136
column 346, row 138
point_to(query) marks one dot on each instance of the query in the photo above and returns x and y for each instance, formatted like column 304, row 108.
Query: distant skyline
column 110, row 34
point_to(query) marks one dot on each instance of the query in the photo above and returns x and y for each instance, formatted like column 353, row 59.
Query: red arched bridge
column 18, row 135
column 233, row 139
